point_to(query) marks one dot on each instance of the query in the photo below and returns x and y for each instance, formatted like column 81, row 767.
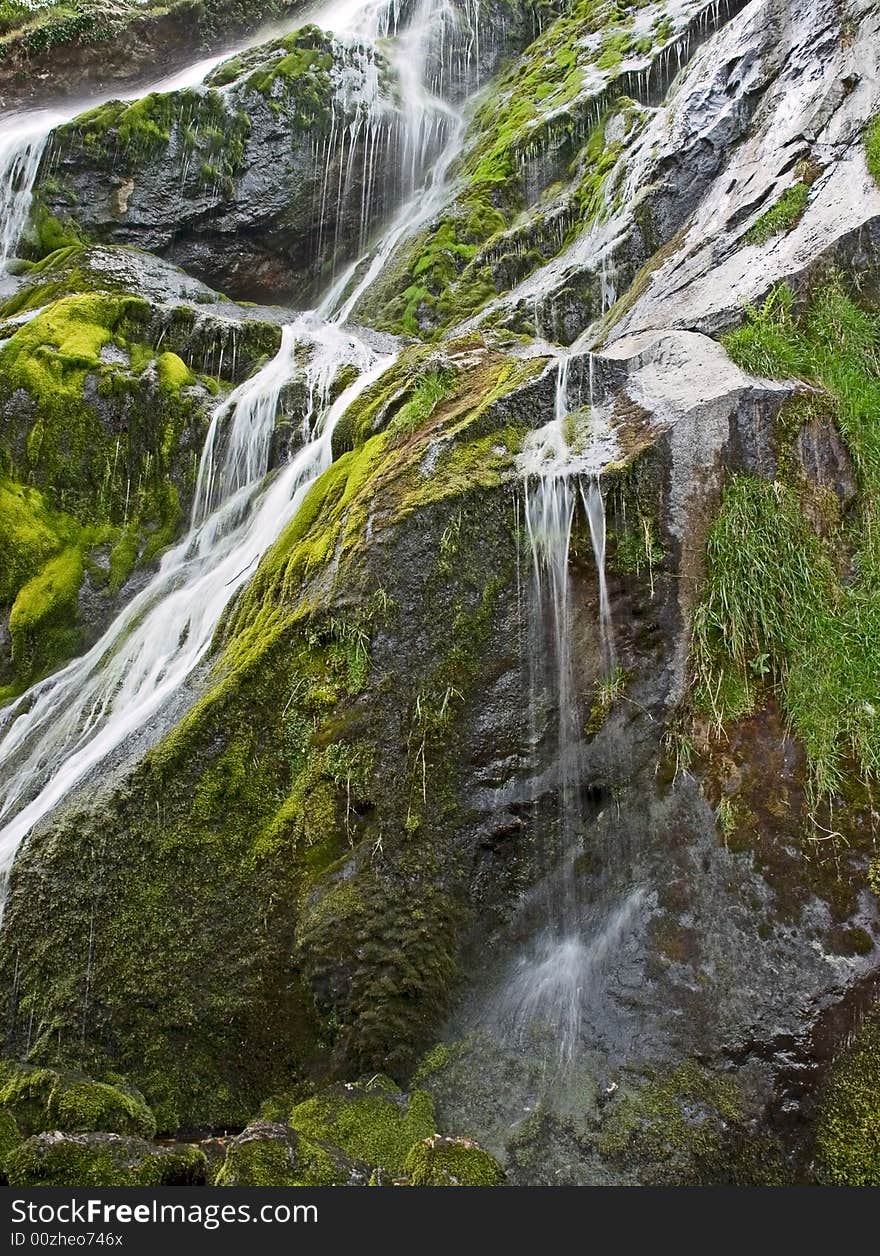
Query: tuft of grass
column 872, row 147
column 782, row 216
column 608, row 691
column 776, row 611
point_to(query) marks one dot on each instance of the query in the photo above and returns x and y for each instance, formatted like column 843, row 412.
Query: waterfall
column 544, row 991
column 24, row 139
column 65, row 726
column 22, row 144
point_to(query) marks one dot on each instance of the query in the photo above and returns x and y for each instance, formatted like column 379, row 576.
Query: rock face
column 642, row 326
column 258, row 185
column 62, row 51
column 110, row 367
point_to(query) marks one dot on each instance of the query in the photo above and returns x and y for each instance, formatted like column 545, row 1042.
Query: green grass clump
column 775, row 609
column 784, row 215
column 872, row 147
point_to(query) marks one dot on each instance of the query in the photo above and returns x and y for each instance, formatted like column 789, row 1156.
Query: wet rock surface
column 379, row 784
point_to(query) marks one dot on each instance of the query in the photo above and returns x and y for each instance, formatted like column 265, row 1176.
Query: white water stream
column 61, row 729
column 545, row 990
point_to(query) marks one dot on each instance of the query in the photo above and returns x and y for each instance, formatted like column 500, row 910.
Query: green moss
column 174, row 374
column 537, row 107
column 848, row 1126
column 872, row 148
column 615, row 46
column 373, row 1121
column 123, row 557
column 101, row 436
column 10, row 1137
column 270, row 880
column 212, row 132
column 42, row 619
column 30, row 534
column 303, row 69
column 451, row 1162
column 783, row 215
column 275, row 1155
column 673, row 1128
column 775, row 611
column 102, row 1160
column 45, row 1099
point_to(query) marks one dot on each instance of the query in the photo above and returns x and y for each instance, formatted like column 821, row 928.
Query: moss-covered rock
column 57, row 1159
column 45, row 1099
column 281, row 824
column 848, row 1125
column 224, row 180
column 105, row 397
column 10, row 1137
column 672, row 1128
column 440, row 1161
column 268, row 1154
column 373, row 1120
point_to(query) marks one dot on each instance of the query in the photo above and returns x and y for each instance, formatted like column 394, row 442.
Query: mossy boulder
column 10, row 1138
column 58, row 1159
column 223, row 180
column 72, row 48
column 440, row 1161
column 373, row 1120
column 848, row 1126
column 271, row 1154
column 45, row 1099
column 105, row 398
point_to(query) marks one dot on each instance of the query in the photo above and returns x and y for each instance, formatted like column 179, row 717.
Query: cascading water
column 63, row 727
column 24, row 139
column 22, row 143
column 541, row 999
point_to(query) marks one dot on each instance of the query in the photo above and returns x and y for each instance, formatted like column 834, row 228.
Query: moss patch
column 374, row 1121
column 45, row 1099
column 673, row 1127
column 848, row 1127
column 55, row 1159
column 451, row 1162
column 269, row 1154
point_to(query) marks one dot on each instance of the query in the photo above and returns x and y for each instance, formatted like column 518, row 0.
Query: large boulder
column 271, row 1154
column 57, row 1159
column 257, row 184
column 50, row 1099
